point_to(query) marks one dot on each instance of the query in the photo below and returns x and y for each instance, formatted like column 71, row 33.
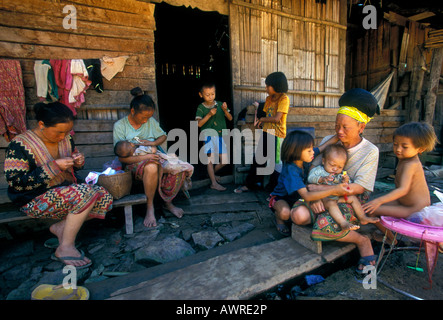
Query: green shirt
column 216, row 122
column 150, row 130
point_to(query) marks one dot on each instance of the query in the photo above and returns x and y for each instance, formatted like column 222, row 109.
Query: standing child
column 273, row 120
column 211, row 114
column 296, row 153
column 411, row 193
column 329, row 172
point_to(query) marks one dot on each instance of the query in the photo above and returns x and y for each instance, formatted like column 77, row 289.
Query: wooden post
column 431, row 96
column 415, row 88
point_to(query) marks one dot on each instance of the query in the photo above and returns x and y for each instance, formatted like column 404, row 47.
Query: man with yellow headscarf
column 357, row 108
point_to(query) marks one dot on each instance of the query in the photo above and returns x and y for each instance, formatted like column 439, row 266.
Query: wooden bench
column 302, row 235
column 126, row 202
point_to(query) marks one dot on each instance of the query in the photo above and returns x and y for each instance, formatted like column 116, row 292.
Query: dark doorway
column 191, row 46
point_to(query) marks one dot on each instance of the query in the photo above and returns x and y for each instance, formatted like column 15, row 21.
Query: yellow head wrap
column 355, row 114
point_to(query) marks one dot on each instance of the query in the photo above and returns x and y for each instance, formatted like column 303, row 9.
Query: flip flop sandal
column 63, row 259
column 52, row 243
column 241, row 189
column 282, row 228
column 365, row 261
column 58, row 292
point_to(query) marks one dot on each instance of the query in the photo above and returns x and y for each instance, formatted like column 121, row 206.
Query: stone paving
column 26, row 261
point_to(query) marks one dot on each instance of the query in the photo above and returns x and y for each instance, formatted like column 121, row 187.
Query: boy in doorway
column 211, row 114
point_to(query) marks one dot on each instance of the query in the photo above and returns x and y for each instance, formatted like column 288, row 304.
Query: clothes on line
column 12, row 99
column 111, row 66
column 67, row 80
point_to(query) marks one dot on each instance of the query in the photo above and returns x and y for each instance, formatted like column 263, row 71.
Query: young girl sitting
column 411, row 193
column 329, row 172
column 296, row 153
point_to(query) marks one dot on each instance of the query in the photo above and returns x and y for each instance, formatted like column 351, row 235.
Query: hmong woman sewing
column 40, row 169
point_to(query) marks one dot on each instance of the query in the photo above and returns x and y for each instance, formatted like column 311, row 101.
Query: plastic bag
column 431, row 215
column 114, row 164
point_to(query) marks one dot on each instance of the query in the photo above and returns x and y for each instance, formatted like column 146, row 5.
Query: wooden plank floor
column 241, row 274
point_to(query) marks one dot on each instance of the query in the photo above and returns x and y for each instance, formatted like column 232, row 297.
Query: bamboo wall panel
column 304, row 39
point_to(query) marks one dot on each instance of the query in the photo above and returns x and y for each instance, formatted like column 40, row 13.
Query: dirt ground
column 396, row 280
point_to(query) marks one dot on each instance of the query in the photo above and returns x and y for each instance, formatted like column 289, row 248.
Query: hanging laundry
column 52, row 85
column 63, row 79
column 80, row 83
column 41, row 78
column 12, row 99
column 95, row 74
column 111, row 66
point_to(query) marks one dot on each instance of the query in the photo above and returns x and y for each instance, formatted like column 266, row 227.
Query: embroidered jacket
column 30, row 169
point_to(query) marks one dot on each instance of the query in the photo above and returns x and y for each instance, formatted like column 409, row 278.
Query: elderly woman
column 140, row 127
column 40, row 168
column 357, row 106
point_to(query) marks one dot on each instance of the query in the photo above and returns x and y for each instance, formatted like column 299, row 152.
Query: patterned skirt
column 326, row 229
column 170, row 184
column 58, row 202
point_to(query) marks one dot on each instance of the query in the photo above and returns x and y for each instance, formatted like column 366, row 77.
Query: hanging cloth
column 41, row 78
column 111, row 66
column 63, row 79
column 80, row 83
column 52, row 95
column 380, row 91
column 45, row 81
column 95, row 74
column 12, row 99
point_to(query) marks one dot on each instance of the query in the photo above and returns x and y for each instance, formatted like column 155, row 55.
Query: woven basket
column 118, row 185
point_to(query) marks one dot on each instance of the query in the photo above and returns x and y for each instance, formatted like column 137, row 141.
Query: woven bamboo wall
column 304, row 39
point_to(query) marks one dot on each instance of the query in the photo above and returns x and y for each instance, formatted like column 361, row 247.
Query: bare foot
column 57, row 230
column 349, row 226
column 217, row 187
column 178, row 212
column 150, row 220
column 365, row 219
column 218, row 178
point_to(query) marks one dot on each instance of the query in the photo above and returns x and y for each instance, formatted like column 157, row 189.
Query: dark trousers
column 254, row 181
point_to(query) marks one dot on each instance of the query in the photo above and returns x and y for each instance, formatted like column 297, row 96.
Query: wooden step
column 302, row 235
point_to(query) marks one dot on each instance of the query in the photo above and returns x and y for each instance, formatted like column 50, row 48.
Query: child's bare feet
column 364, row 219
column 217, row 187
column 150, row 220
column 349, row 226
